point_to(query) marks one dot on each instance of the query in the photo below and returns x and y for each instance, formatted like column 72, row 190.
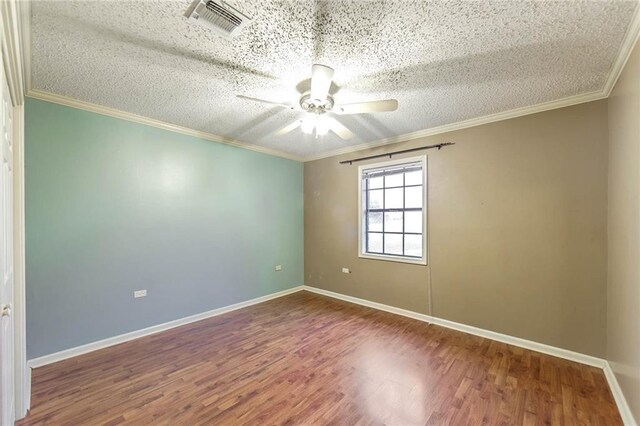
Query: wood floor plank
column 308, row 359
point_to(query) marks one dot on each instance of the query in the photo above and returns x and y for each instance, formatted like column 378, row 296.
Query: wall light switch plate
column 139, row 293
column 278, row 267
column 346, row 270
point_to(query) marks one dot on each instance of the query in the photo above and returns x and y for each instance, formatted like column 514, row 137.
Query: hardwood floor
column 309, row 359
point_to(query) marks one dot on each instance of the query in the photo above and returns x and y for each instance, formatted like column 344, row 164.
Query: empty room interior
column 314, row 212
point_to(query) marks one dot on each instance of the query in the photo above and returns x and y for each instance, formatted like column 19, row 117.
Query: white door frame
column 22, row 374
column 15, row 51
column 6, row 211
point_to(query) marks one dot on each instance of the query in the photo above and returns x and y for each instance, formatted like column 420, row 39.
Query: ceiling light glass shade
column 308, row 124
column 322, row 127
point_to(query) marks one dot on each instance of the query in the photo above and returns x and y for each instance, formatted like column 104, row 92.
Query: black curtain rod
column 390, row 154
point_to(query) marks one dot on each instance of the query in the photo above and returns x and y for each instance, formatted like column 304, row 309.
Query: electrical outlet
column 278, row 267
column 139, row 293
column 346, row 270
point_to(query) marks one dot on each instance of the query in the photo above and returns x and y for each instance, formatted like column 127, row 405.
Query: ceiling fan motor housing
column 316, row 106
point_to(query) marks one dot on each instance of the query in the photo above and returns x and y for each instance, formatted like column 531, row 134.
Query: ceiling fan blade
column 366, row 107
column 264, row 101
column 321, row 77
column 336, row 127
column 288, row 128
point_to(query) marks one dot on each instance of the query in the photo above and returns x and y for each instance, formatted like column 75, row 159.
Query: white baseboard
column 523, row 343
column 621, row 401
column 27, row 392
column 101, row 344
column 368, row 303
column 504, row 338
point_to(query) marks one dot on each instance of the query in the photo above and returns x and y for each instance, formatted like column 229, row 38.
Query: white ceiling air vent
column 218, row 16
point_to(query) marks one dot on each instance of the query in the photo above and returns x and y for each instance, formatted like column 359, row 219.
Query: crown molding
column 112, row 112
column 24, row 18
column 473, row 122
column 24, row 15
column 630, row 39
column 12, row 49
column 505, row 115
column 628, row 43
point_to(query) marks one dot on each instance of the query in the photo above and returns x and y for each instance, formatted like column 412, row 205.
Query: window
column 393, row 222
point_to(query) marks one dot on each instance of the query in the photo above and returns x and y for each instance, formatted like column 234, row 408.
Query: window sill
column 398, row 259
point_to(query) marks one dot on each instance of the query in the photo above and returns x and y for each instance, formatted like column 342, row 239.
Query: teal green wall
column 114, row 206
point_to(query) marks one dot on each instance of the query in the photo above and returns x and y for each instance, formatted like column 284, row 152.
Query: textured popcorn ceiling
column 444, row 61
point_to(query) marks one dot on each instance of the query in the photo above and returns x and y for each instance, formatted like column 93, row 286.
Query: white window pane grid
column 394, row 227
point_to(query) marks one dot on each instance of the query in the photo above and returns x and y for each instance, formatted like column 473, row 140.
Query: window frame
column 362, row 211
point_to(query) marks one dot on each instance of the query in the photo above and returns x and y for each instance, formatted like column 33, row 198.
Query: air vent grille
column 218, row 16
column 221, row 17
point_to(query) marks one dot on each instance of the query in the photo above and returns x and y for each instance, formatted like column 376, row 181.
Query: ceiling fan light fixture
column 316, row 106
column 321, row 77
column 308, row 124
column 322, row 127
column 315, row 123
column 318, row 103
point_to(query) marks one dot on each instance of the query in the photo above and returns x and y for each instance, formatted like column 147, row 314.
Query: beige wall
column 623, row 318
column 517, row 229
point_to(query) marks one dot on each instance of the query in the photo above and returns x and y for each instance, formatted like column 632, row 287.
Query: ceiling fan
column 318, row 102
